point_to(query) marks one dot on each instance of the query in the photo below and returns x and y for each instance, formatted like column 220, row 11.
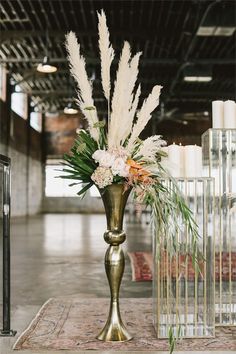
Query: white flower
column 97, row 155
column 114, row 159
column 102, row 177
column 119, row 167
column 104, row 158
column 125, row 171
column 107, row 159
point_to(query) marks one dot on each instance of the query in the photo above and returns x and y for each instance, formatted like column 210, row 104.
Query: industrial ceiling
column 173, row 35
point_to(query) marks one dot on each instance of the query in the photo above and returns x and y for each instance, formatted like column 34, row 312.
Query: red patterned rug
column 72, row 323
column 142, row 263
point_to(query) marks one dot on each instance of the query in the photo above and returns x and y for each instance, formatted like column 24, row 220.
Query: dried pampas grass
column 125, row 98
column 119, row 97
column 124, row 103
column 150, row 147
column 78, row 70
column 144, row 115
column 106, row 53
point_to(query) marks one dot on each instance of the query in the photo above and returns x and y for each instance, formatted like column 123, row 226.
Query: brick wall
column 60, row 132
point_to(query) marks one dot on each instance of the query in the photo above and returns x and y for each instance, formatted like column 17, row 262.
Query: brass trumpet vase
column 114, row 199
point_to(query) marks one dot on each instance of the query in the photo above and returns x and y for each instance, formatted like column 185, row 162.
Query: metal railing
column 6, row 252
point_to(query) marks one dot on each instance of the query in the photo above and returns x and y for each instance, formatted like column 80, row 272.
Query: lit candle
column 175, row 153
column 218, row 114
column 229, row 115
column 193, row 161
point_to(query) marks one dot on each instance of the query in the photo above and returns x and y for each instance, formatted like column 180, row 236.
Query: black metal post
column 6, row 330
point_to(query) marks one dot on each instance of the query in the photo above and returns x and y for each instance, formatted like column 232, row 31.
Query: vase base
column 114, row 334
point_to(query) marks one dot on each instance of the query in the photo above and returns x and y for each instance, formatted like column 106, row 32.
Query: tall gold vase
column 114, row 198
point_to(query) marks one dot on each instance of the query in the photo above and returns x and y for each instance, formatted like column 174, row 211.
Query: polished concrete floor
column 57, row 254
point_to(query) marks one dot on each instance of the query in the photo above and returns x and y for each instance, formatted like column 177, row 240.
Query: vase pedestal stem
column 114, row 329
column 114, row 199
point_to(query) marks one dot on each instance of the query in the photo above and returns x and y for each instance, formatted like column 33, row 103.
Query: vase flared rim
column 116, row 185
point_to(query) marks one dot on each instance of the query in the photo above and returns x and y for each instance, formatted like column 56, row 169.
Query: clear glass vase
column 219, row 162
column 183, row 298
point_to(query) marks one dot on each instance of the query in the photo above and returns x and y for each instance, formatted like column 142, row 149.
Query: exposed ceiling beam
column 182, row 95
column 6, row 35
column 144, row 61
column 89, row 60
column 207, row 94
column 63, row 92
column 13, row 34
column 186, row 57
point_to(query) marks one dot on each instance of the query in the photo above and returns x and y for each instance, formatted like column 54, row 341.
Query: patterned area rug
column 70, row 323
column 141, row 264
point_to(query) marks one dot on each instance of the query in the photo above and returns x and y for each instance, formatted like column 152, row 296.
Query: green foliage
column 79, row 164
column 172, row 339
column 102, row 135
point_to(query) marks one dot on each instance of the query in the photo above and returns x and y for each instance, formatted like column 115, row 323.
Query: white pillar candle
column 193, row 161
column 229, row 115
column 199, row 161
column 218, row 114
column 175, row 154
column 182, row 172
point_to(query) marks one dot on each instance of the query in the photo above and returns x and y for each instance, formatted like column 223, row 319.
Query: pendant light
column 45, row 66
column 70, row 109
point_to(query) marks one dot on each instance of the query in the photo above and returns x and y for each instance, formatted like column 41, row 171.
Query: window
column 3, row 83
column 59, row 187
column 94, row 192
column 19, row 103
column 36, row 121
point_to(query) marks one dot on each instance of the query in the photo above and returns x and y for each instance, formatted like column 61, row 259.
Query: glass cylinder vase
column 219, row 162
column 183, row 297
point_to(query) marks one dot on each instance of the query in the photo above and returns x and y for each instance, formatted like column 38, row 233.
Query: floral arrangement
column 113, row 152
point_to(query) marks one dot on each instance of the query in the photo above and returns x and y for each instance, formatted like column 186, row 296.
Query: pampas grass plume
column 78, row 71
column 144, row 115
column 106, row 53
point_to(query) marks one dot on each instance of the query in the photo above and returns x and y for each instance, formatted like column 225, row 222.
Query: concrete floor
column 57, row 254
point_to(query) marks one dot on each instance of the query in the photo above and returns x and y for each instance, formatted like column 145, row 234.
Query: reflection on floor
column 57, row 254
